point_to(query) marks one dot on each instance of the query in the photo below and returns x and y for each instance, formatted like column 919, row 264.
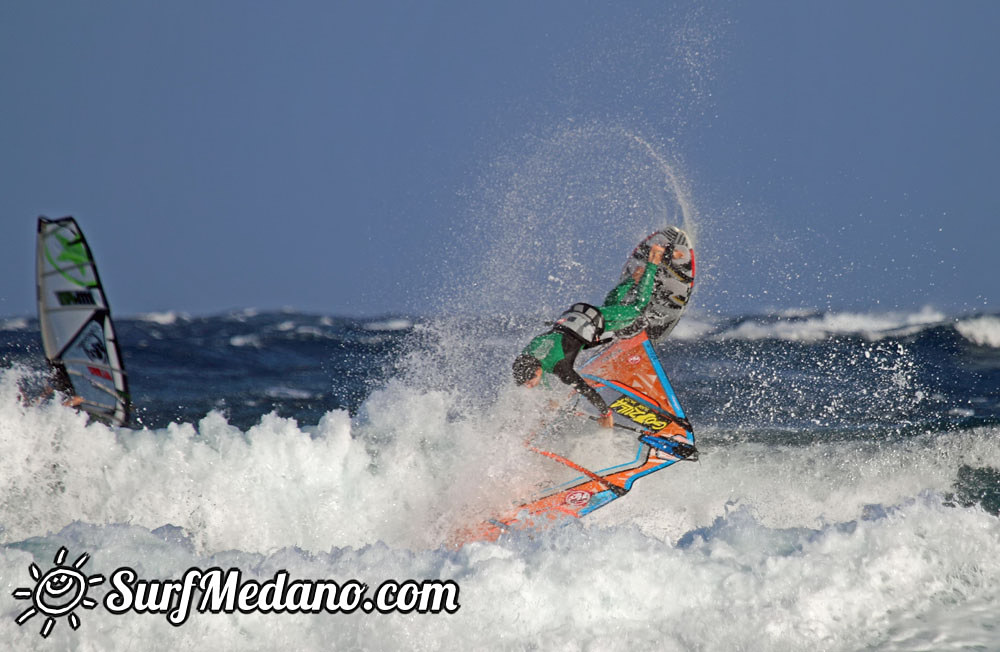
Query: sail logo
column 72, row 260
column 94, row 348
column 639, row 413
column 94, row 371
column 75, row 298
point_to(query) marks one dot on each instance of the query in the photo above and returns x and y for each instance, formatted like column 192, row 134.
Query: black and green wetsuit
column 556, row 350
column 628, row 299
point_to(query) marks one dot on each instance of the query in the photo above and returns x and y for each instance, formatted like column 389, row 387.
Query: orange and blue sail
column 631, row 379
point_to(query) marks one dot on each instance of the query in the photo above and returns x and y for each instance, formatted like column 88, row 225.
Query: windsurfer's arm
column 568, row 375
column 48, row 391
column 70, row 401
column 648, row 280
column 643, row 277
column 619, row 292
column 60, row 382
column 619, row 316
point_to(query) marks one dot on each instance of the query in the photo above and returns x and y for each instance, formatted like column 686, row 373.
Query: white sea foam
column 162, row 318
column 984, row 331
column 244, row 315
column 738, row 585
column 834, row 547
column 281, row 391
column 691, row 328
column 798, row 312
column 398, row 324
column 252, row 340
column 13, row 324
column 312, row 331
column 310, row 487
column 766, row 544
column 872, row 326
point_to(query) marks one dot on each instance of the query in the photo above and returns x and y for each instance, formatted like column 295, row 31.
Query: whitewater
column 847, row 503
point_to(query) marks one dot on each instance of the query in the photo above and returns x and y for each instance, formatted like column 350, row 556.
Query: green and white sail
column 77, row 332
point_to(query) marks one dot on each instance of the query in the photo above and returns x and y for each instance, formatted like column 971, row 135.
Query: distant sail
column 77, row 332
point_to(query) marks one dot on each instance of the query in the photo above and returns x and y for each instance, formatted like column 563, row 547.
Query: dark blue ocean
column 846, row 497
column 799, row 376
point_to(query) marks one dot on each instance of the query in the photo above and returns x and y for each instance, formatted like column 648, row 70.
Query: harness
column 583, row 321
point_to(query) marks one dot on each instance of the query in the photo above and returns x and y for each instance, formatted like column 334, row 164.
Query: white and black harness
column 583, row 321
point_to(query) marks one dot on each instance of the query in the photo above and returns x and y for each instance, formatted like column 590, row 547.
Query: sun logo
column 58, row 592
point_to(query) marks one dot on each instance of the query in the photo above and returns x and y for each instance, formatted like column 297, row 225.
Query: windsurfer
column 60, row 383
column 555, row 351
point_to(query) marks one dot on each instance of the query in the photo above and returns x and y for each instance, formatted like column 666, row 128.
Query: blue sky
column 383, row 157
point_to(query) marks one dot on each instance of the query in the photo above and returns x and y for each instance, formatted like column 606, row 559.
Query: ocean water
column 846, row 497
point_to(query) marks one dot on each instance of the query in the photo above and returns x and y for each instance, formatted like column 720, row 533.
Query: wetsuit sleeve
column 567, row 374
column 616, row 295
column 646, row 284
column 621, row 315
